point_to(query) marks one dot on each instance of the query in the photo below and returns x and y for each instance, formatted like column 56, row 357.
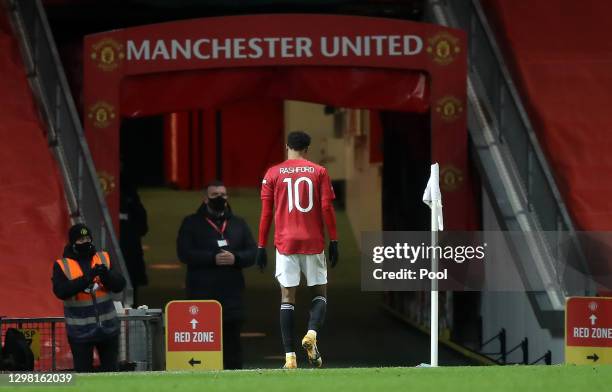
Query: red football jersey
column 298, row 188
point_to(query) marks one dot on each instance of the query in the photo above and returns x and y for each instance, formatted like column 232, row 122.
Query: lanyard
column 221, row 230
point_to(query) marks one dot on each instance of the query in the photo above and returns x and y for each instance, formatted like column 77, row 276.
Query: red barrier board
column 194, row 335
column 588, row 330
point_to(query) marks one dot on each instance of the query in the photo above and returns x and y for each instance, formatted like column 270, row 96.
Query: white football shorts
column 290, row 267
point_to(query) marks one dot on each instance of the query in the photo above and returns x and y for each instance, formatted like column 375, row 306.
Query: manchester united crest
column 107, row 54
column 443, row 48
column 449, row 108
column 193, row 309
column 101, row 114
column 107, row 182
column 451, row 178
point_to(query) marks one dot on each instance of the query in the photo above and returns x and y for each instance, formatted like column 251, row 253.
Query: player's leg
column 315, row 270
column 288, row 276
column 287, row 311
column 318, row 308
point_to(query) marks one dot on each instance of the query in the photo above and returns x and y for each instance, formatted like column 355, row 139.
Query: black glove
column 261, row 258
column 89, row 277
column 333, row 253
column 101, row 271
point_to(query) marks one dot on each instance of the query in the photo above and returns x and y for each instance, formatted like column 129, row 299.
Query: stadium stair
column 33, row 207
column 560, row 59
column 48, row 173
column 516, row 172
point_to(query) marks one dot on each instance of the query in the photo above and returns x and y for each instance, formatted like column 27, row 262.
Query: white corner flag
column 433, row 198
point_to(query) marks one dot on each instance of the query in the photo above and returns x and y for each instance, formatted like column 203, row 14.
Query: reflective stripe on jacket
column 89, row 315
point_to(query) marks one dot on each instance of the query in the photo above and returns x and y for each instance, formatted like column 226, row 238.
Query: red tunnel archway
column 349, row 61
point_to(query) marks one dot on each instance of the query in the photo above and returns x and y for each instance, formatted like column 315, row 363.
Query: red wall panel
column 252, row 139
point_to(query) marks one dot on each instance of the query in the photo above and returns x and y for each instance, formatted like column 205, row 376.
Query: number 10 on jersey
column 293, row 194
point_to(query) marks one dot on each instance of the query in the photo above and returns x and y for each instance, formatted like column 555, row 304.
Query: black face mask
column 217, row 204
column 86, row 249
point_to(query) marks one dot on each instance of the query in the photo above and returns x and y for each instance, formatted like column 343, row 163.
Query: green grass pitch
column 452, row 379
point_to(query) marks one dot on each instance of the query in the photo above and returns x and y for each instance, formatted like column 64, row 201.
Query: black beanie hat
column 78, row 231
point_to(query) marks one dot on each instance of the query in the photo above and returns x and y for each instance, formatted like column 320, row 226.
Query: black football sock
column 318, row 308
column 286, row 323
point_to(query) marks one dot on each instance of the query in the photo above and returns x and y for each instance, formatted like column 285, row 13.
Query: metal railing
column 46, row 75
column 501, row 356
column 141, row 341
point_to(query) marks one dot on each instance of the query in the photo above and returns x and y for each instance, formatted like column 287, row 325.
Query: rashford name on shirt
column 297, row 169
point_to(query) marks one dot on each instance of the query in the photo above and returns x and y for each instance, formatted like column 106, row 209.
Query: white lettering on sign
column 601, row 333
column 195, row 337
column 182, row 337
column 581, row 332
column 185, row 49
column 303, row 47
column 196, row 50
column 594, row 333
column 138, row 53
column 255, row 51
column 161, row 51
column 271, row 47
column 204, row 337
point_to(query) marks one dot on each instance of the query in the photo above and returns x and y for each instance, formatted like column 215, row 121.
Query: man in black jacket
column 133, row 226
column 84, row 279
column 216, row 245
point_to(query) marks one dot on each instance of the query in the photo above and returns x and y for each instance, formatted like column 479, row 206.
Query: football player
column 299, row 194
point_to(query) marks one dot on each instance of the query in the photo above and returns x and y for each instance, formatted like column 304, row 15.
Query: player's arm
column 329, row 216
column 265, row 220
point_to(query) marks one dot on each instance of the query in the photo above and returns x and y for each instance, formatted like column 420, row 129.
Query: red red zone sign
column 194, row 326
column 589, row 322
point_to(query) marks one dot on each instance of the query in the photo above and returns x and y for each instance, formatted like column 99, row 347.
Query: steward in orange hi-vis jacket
column 84, row 279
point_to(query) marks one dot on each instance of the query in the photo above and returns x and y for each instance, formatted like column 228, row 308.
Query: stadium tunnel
column 383, row 122
column 151, row 70
column 377, row 125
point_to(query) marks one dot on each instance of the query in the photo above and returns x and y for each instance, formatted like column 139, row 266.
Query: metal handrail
column 547, row 357
column 86, row 202
column 501, row 337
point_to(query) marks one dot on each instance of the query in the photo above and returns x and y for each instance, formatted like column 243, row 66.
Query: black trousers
column 108, row 351
column 232, row 348
column 134, row 297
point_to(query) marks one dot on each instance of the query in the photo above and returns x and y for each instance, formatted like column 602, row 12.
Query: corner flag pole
column 433, row 198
